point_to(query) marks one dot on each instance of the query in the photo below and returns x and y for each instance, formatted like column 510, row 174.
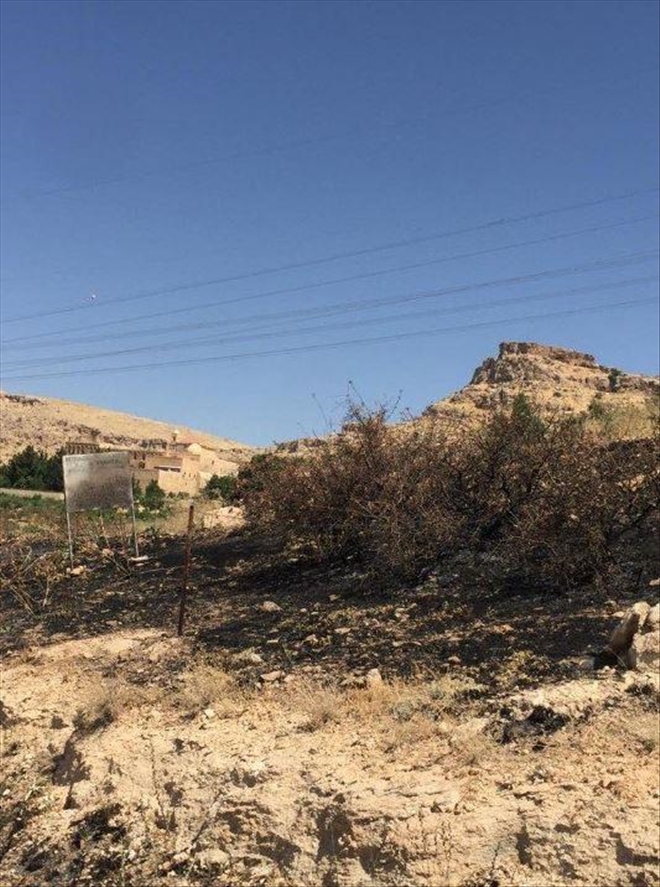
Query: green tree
column 33, row 469
column 525, row 414
column 54, row 474
column 154, row 497
column 221, row 487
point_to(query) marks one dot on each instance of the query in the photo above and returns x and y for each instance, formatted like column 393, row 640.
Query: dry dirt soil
column 310, row 729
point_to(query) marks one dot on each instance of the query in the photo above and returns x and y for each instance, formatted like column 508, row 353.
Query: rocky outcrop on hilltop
column 559, row 380
column 527, row 361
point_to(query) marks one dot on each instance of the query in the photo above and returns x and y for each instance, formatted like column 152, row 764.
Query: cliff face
column 558, row 380
column 528, row 362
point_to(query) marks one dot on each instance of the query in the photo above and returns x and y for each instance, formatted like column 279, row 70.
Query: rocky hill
column 48, row 424
column 559, row 380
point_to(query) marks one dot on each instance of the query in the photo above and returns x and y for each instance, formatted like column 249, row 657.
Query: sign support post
column 97, row 480
column 135, row 538
column 70, row 537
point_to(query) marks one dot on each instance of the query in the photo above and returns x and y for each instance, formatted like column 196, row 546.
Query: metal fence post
column 186, row 570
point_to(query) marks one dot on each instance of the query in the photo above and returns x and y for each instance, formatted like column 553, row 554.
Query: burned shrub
column 546, row 496
column 593, row 499
column 367, row 494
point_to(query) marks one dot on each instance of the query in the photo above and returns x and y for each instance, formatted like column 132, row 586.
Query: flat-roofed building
column 181, row 467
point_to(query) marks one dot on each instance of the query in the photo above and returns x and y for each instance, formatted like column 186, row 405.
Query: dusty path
column 129, row 761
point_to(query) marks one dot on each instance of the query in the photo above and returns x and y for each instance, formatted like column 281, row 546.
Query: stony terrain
column 559, row 380
column 311, row 729
column 48, row 423
column 316, row 725
column 128, row 767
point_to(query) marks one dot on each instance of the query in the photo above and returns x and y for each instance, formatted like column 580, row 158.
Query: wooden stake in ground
column 186, row 570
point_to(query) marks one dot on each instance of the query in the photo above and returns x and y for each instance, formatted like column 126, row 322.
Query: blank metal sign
column 97, row 480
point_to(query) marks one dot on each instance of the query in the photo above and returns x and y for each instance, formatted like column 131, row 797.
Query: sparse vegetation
column 613, row 421
column 223, row 487
column 547, row 498
column 208, row 686
column 30, row 577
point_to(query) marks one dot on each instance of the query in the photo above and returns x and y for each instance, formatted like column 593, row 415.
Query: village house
column 180, row 467
column 176, row 466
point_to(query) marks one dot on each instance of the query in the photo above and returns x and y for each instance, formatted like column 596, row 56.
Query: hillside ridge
column 559, row 380
column 48, row 423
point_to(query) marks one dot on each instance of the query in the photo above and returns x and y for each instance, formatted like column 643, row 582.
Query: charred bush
column 547, row 497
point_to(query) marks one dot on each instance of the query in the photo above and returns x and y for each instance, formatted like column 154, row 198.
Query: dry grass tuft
column 106, row 706
column 322, row 706
column 206, row 685
column 96, row 713
column 471, row 746
column 402, row 712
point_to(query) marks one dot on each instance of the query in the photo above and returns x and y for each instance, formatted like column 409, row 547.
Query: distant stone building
column 89, row 443
column 177, row 467
column 180, row 467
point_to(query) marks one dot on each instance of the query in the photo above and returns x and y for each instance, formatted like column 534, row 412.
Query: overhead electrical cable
column 394, row 337
column 359, row 305
column 294, row 144
column 334, row 257
column 12, row 343
column 369, row 321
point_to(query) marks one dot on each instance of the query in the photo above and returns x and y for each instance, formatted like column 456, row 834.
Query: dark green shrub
column 258, row 474
column 33, row 470
column 223, row 487
column 153, row 498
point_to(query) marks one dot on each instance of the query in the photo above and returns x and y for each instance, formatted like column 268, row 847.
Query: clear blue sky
column 151, row 144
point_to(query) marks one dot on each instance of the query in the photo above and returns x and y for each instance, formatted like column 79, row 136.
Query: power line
column 293, row 144
column 11, row 343
column 213, row 340
column 329, row 345
column 334, row 257
column 359, row 305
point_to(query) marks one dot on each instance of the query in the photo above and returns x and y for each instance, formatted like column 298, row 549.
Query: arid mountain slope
column 561, row 381
column 48, row 424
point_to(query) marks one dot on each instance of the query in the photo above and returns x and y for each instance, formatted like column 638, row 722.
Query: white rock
column 76, row 571
column 270, row 607
column 653, row 619
column 373, row 678
column 632, row 621
column 213, row 858
column 271, row 676
column 644, row 652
